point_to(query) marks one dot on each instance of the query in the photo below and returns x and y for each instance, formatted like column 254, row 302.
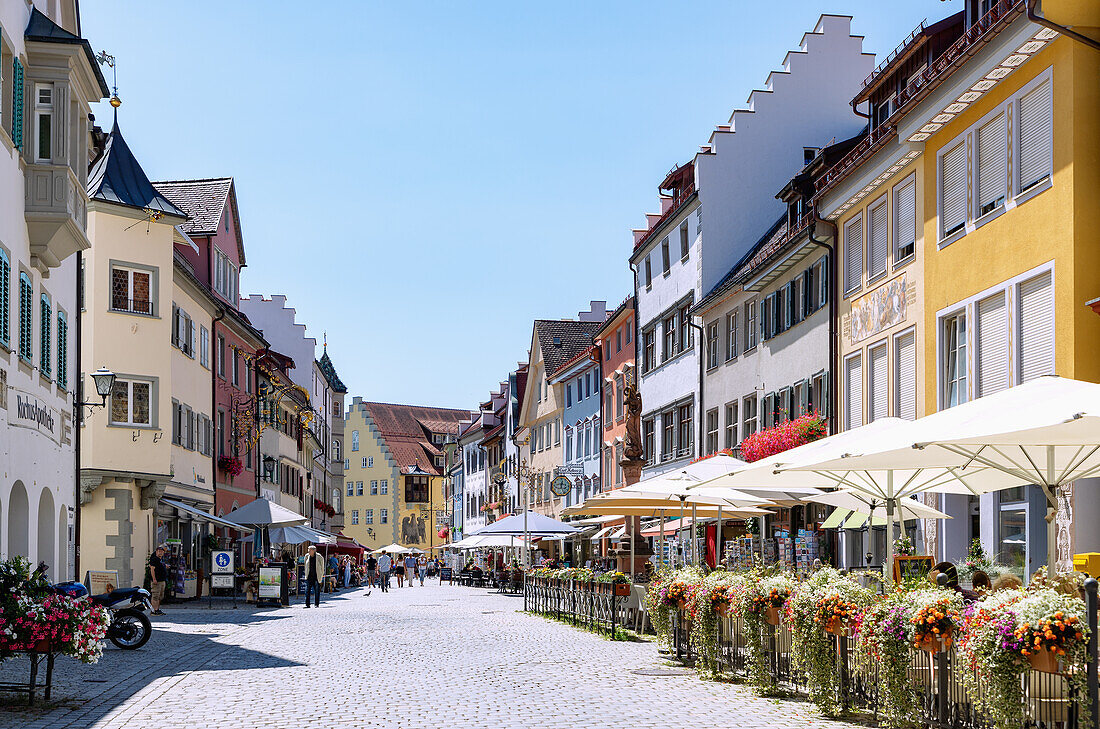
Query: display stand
column 30, row 688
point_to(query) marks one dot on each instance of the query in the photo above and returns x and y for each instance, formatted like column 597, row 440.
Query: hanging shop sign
column 33, row 414
column 561, row 486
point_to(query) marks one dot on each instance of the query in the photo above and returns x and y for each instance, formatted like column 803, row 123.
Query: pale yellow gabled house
column 146, row 470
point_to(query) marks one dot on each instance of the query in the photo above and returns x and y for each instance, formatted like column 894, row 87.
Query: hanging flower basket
column 1045, row 661
column 836, row 626
column 936, row 643
column 771, row 616
column 230, row 465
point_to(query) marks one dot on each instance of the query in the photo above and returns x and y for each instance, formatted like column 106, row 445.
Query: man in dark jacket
column 315, row 575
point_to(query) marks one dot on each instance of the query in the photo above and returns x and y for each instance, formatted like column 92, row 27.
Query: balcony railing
column 894, row 54
column 132, row 306
column 922, row 84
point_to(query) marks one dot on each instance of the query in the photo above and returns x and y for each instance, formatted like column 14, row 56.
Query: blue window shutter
column 62, row 351
column 5, row 299
column 17, row 104
column 44, row 350
column 25, row 323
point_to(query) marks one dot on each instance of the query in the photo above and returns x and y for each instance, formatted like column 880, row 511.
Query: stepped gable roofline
column 329, row 371
column 760, row 251
column 40, row 28
column 117, row 177
column 562, row 340
column 205, row 201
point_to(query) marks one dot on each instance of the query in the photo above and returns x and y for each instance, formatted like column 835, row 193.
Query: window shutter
column 45, row 351
column 17, row 104
column 825, row 285
column 804, row 397
column 824, row 407
column 992, row 165
column 953, row 191
column 1035, row 134
column 879, row 383
column 905, row 222
column 877, row 245
column 769, row 410
column 853, row 396
column 5, row 304
column 905, row 365
column 1036, row 348
column 992, row 345
column 62, row 351
column 25, row 323
column 853, row 255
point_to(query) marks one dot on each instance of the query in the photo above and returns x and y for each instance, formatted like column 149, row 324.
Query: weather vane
column 107, row 59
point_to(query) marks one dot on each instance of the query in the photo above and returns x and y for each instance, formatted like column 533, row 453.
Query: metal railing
column 591, row 605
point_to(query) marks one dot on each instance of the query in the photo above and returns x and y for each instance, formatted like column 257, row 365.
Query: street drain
column 95, row 680
column 490, row 612
column 662, row 672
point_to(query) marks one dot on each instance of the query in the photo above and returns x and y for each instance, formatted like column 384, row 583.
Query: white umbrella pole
column 661, row 544
column 630, row 535
column 680, row 536
column 888, row 568
column 718, row 540
column 694, row 537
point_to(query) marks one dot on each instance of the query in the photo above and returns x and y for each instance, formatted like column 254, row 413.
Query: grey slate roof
column 561, row 341
column 117, row 177
column 204, row 201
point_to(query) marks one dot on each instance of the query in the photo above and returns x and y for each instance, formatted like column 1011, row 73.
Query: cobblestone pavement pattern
column 419, row 657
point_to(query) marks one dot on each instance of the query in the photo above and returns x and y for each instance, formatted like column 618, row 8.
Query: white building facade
column 49, row 77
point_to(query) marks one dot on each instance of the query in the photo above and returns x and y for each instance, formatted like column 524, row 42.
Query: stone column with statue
column 632, row 462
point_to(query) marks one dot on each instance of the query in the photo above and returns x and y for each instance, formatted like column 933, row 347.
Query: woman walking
column 422, row 568
column 399, row 570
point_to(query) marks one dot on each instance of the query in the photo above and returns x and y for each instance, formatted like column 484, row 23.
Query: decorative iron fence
column 596, row 606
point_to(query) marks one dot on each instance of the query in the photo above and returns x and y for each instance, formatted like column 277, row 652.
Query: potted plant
column 934, row 619
column 766, row 591
column 618, row 583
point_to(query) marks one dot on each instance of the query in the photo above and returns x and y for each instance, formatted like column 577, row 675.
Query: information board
column 446, row 573
column 271, row 582
column 911, row 566
column 221, row 563
column 101, row 581
column 221, row 581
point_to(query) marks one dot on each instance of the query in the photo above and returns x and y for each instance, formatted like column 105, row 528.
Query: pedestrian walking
column 410, row 567
column 315, row 575
column 399, row 571
column 384, row 565
column 372, row 571
column 422, row 569
column 347, row 572
column 158, row 578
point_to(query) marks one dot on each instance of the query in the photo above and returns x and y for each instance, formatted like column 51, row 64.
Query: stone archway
column 46, row 530
column 19, row 519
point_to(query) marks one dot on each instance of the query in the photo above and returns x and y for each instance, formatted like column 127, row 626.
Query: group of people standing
column 405, row 569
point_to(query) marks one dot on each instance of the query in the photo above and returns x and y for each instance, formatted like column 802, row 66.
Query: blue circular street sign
column 222, row 559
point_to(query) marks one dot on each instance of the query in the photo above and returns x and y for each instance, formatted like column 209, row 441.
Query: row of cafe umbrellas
column 1045, row 432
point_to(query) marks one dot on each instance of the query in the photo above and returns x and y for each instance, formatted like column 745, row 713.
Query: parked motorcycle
column 130, row 627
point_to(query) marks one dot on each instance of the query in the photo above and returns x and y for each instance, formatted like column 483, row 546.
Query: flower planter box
column 836, row 626
column 772, row 616
column 936, row 643
column 621, row 590
column 1045, row 661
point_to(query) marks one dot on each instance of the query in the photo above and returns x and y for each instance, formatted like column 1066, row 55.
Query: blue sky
column 422, row 180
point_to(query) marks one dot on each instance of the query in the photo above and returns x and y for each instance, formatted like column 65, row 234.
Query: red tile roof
column 406, row 429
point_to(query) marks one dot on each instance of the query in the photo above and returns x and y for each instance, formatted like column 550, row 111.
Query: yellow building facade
column 371, row 509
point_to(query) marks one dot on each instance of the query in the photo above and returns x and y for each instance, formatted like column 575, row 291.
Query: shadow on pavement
column 185, row 639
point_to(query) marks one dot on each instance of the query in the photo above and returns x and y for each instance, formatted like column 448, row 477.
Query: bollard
column 941, row 670
column 1090, row 670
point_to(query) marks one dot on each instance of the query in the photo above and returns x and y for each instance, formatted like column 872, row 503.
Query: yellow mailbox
column 1089, row 563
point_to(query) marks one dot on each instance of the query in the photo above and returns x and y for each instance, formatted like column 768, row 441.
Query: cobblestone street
column 414, row 657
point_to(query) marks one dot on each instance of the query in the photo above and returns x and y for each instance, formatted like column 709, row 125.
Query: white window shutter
column 1036, row 333
column 992, row 165
column 905, row 219
column 853, row 395
column 879, row 383
column 853, row 255
column 1035, row 147
column 992, row 345
column 953, row 190
column 905, row 366
column 877, row 242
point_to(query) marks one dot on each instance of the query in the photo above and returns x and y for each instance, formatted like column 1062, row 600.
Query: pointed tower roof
column 117, row 177
column 329, row 371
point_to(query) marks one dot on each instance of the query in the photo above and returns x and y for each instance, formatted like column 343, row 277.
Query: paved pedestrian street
column 414, row 657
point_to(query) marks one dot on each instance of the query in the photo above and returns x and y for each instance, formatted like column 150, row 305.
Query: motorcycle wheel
column 130, row 629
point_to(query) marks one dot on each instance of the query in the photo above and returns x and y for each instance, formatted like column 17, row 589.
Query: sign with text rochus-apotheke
column 31, row 413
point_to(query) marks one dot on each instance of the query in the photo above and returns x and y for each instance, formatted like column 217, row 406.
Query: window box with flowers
column 231, row 465
column 800, row 431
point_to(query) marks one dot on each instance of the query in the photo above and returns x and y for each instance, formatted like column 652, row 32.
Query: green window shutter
column 5, row 295
column 17, row 104
column 25, row 323
column 62, row 351
column 44, row 349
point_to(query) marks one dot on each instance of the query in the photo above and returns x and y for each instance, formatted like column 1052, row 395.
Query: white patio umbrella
column 394, row 548
column 261, row 514
column 1044, row 432
column 854, row 503
column 830, row 462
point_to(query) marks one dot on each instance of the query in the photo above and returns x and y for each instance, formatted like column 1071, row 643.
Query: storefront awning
column 835, row 519
column 204, row 515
